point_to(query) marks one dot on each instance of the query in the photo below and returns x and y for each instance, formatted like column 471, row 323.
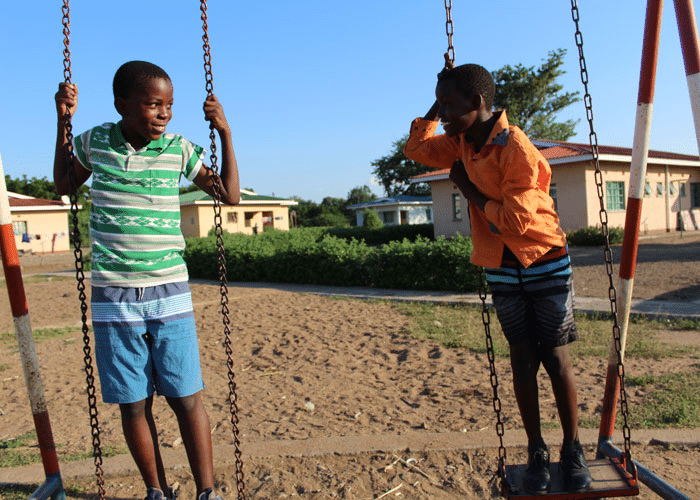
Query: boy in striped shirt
column 517, row 238
column 143, row 321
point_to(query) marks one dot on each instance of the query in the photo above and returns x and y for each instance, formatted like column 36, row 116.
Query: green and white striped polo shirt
column 135, row 217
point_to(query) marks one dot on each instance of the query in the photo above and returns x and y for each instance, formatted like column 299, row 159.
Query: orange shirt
column 513, row 174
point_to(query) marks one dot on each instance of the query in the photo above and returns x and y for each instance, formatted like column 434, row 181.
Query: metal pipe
column 646, row 476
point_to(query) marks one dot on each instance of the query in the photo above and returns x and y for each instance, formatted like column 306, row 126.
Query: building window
column 659, row 189
column 695, row 195
column 249, row 218
column 681, row 188
column 647, row 188
column 389, row 217
column 672, row 188
column 553, row 195
column 615, row 191
column 20, row 227
column 456, row 206
column 233, row 217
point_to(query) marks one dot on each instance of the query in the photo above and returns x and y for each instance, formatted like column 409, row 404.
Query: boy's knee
column 184, row 405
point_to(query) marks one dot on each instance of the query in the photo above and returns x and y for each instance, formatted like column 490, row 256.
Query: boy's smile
column 456, row 112
column 146, row 112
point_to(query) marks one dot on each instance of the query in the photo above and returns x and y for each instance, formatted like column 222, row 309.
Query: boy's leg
column 196, row 436
column 557, row 362
column 142, row 438
column 525, row 365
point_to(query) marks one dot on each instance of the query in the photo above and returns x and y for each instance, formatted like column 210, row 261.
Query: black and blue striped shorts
column 535, row 304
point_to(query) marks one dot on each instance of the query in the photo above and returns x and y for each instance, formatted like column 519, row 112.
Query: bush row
column 314, row 256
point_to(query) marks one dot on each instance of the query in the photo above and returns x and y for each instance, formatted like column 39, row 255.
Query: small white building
column 397, row 210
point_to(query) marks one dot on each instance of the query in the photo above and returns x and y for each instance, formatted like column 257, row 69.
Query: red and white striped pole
column 633, row 216
column 688, row 31
column 53, row 486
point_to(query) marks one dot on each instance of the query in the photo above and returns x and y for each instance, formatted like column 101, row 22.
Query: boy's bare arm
column 66, row 102
column 229, row 187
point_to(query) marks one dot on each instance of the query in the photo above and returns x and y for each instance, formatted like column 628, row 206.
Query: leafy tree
column 532, row 98
column 371, row 220
column 39, row 188
column 394, row 171
column 360, row 194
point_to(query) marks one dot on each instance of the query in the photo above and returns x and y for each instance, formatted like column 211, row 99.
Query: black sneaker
column 537, row 477
column 577, row 478
column 208, row 494
column 154, row 494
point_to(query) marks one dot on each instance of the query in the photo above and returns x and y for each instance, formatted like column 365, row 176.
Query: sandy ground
column 321, row 380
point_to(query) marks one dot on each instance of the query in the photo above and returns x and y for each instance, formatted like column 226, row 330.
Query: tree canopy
column 394, row 171
column 532, row 98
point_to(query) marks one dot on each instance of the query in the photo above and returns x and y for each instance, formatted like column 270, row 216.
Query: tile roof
column 195, row 196
column 553, row 150
column 34, row 202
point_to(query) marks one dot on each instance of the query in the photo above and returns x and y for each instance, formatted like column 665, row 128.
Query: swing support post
column 53, row 486
column 687, row 27
column 628, row 259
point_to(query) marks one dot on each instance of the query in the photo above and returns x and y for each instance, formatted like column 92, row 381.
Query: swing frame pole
column 53, row 486
column 688, row 32
column 628, row 259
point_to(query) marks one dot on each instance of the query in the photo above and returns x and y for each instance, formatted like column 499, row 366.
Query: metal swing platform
column 609, row 478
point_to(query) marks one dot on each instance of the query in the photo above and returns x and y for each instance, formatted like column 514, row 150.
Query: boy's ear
column 477, row 101
column 120, row 105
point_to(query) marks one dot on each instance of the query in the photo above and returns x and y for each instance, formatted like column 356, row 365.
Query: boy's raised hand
column 214, row 113
column 66, row 99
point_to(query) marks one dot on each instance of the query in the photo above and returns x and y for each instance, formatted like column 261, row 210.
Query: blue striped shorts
column 145, row 342
column 535, row 304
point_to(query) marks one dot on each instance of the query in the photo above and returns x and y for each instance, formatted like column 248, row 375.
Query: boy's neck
column 481, row 129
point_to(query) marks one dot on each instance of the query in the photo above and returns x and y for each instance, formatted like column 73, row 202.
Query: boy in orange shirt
column 517, row 238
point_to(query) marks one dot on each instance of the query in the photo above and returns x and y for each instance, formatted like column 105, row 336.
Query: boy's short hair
column 472, row 79
column 132, row 73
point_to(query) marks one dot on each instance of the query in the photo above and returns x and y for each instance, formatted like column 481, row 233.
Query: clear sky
column 314, row 90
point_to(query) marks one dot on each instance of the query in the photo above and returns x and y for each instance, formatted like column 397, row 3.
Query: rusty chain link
column 223, row 286
column 449, row 29
column 79, row 270
column 612, row 293
column 496, row 400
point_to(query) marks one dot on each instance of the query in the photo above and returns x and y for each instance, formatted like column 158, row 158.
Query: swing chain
column 612, row 294
column 79, row 270
column 500, row 428
column 223, row 288
column 449, row 29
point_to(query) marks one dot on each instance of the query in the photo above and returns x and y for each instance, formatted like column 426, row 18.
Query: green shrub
column 593, row 236
column 371, row 220
column 315, row 256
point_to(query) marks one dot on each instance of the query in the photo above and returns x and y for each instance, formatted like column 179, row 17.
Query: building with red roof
column 40, row 226
column 671, row 190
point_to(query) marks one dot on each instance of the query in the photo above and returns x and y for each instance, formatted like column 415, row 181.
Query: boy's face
column 146, row 112
column 456, row 112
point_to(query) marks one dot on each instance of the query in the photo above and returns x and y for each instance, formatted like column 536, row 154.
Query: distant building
column 254, row 213
column 40, row 226
column 397, row 210
column 671, row 190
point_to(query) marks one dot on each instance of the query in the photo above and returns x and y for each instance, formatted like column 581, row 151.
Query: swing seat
column 609, row 478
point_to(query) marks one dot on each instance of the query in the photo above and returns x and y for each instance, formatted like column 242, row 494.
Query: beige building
column 671, row 201
column 40, row 226
column 253, row 214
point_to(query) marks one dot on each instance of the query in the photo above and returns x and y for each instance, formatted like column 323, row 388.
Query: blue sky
column 315, row 91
